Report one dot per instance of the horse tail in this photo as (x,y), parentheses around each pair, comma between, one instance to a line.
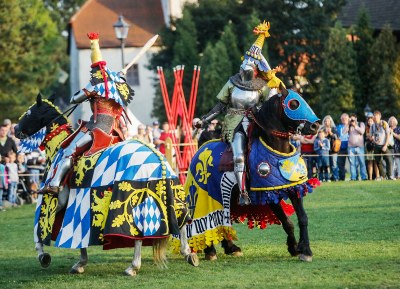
(160,252)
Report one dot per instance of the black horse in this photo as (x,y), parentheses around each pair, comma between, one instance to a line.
(276,173)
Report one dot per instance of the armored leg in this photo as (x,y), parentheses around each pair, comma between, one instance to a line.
(238,150)
(65,164)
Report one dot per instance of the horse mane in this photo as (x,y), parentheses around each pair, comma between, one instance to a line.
(47,102)
(268,108)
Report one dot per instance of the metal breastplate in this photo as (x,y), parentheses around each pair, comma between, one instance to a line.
(244,99)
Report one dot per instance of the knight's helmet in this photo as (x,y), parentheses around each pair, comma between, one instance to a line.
(103,81)
(254,57)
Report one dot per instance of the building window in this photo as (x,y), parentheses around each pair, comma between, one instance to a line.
(132,75)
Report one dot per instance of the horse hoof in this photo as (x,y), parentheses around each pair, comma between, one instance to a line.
(210,257)
(130,272)
(305,258)
(192,259)
(45,260)
(237,254)
(77,270)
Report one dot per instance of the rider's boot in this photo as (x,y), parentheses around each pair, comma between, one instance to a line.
(244,195)
(238,150)
(54,186)
(77,146)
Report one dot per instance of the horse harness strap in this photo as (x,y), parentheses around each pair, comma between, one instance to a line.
(52,134)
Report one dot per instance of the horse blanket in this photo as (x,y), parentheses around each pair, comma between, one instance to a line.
(125,192)
(209,200)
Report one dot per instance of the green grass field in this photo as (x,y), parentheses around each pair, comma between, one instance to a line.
(354,230)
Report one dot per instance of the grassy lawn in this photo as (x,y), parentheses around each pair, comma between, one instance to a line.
(354,230)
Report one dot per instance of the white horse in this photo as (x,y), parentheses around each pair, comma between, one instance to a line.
(108,196)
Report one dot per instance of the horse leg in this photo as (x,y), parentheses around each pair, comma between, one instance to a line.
(43,257)
(304,243)
(288,226)
(231,249)
(190,257)
(79,267)
(137,260)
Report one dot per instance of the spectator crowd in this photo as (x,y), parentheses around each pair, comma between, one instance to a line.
(371,149)
(19,172)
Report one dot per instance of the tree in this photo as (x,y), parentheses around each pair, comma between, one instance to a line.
(30,54)
(299,30)
(61,11)
(385,54)
(363,41)
(216,69)
(229,41)
(338,73)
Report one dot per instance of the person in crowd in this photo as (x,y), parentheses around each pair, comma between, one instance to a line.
(380,133)
(343,134)
(6,142)
(141,133)
(165,133)
(3,183)
(212,132)
(322,147)
(21,163)
(149,135)
(12,135)
(356,150)
(12,173)
(328,125)
(372,168)
(35,161)
(7,123)
(308,153)
(156,131)
(295,141)
(196,132)
(395,131)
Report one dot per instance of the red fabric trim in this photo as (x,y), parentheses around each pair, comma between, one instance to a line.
(102,63)
(114,241)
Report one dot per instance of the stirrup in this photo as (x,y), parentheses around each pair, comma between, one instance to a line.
(244,199)
(51,190)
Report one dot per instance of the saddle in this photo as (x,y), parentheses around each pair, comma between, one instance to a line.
(226,162)
(101,139)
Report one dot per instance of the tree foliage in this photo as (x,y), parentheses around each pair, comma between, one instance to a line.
(30,45)
(216,69)
(363,41)
(383,69)
(338,74)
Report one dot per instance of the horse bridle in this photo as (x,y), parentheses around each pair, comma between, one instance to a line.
(278,133)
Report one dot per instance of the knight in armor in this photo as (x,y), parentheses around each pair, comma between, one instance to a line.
(240,97)
(108,94)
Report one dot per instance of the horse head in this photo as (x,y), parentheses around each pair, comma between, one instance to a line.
(285,114)
(43,113)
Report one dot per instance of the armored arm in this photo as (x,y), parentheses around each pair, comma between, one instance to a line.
(79,96)
(214,112)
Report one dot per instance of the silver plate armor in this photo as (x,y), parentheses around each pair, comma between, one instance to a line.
(244,99)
